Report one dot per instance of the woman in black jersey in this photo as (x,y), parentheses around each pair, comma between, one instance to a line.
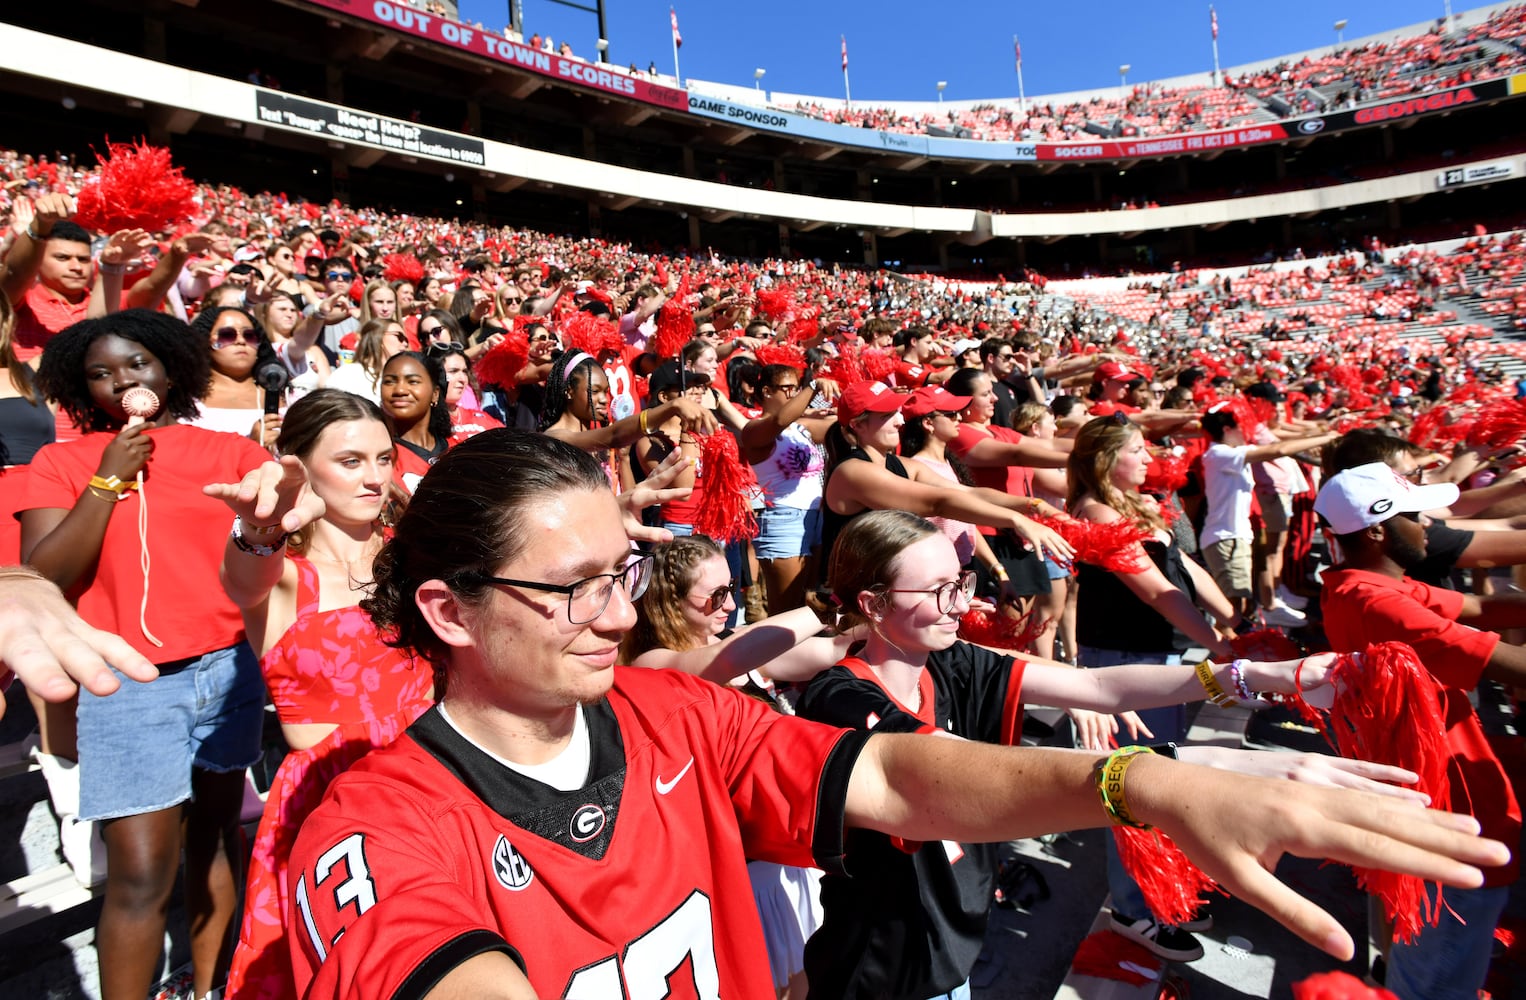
(909,924)
(864,473)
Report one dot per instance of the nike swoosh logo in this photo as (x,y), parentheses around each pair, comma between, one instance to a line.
(664,787)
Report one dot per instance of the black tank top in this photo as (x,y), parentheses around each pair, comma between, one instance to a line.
(832,522)
(24,427)
(1111,616)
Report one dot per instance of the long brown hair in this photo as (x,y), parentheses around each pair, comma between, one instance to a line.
(659,616)
(21,378)
(1090,470)
(304,423)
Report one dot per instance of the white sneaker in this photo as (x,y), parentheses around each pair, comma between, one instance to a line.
(1292,600)
(78,840)
(1279,615)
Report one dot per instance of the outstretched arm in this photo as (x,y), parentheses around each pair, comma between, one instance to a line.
(1235,827)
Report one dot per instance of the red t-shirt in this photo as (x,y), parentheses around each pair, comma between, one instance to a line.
(1106,408)
(187,530)
(429,852)
(910,376)
(1363,608)
(1013,480)
(468,422)
(42,313)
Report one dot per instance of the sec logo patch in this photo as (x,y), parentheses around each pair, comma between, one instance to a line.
(510,867)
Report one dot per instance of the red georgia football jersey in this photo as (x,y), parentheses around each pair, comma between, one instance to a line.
(430,852)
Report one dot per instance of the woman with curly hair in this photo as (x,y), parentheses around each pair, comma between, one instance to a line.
(234,401)
(119,517)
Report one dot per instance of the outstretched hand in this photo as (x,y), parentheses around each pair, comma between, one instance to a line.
(46,644)
(274,492)
(1237,829)
(654,489)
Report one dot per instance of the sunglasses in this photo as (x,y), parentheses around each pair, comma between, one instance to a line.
(438,349)
(339,276)
(227,336)
(431,331)
(717,598)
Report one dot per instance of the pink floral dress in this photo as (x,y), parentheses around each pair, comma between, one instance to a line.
(329,667)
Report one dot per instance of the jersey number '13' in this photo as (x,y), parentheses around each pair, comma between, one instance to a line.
(650,960)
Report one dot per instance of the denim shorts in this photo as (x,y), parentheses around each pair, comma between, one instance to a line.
(137,747)
(1055,570)
(787,532)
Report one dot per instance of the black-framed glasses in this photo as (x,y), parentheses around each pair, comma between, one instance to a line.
(227,336)
(788,390)
(426,334)
(339,276)
(946,594)
(716,599)
(586,598)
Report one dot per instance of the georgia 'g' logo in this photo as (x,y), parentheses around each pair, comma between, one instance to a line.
(513,871)
(1309,126)
(1380,506)
(586,823)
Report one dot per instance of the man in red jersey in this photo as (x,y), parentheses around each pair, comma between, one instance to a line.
(560,826)
(1376,516)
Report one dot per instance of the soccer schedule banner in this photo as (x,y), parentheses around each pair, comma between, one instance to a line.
(489,45)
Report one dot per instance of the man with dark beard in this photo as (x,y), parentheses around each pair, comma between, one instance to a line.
(1376,515)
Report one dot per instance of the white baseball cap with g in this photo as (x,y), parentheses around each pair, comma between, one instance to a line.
(1371,494)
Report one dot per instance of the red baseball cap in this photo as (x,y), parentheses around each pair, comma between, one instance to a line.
(934,399)
(867,397)
(1112,371)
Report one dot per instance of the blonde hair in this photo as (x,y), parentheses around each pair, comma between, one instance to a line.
(365,301)
(659,614)
(14,366)
(1090,470)
(1028,416)
(865,557)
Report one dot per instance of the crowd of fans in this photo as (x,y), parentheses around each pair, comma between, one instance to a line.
(1344,78)
(883,502)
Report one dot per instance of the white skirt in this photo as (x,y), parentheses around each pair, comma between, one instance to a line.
(789,905)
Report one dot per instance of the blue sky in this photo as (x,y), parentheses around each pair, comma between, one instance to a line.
(900,50)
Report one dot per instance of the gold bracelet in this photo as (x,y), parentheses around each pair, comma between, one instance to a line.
(112,484)
(642,421)
(1216,693)
(101,493)
(1110,785)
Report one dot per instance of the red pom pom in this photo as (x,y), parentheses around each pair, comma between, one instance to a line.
(999,631)
(136,187)
(1337,985)
(312,210)
(878,364)
(845,369)
(675,324)
(776,303)
(1166,473)
(1171,884)
(583,331)
(781,354)
(1388,709)
(1114,546)
(726,515)
(402,267)
(1265,644)
(502,364)
(1499,425)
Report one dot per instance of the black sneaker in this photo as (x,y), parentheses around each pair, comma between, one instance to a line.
(1200,923)
(1171,943)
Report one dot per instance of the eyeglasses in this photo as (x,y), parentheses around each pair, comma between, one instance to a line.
(426,334)
(1121,418)
(434,350)
(788,390)
(947,594)
(227,336)
(586,598)
(339,276)
(1008,356)
(717,598)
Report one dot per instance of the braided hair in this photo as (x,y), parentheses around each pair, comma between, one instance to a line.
(561,384)
(659,621)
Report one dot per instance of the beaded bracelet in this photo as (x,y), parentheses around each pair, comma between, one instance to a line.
(1110,786)
(276,544)
(1216,693)
(1237,679)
